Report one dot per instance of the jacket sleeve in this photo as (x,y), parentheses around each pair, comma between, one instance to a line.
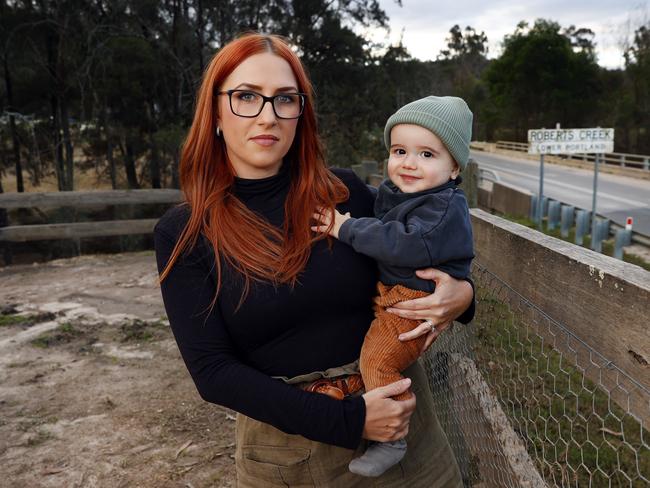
(450,241)
(221,377)
(393,243)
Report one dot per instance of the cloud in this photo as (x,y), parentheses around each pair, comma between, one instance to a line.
(426,24)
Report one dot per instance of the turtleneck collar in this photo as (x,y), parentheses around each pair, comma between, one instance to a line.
(246,188)
(265,196)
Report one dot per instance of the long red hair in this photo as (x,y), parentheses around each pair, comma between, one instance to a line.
(207,178)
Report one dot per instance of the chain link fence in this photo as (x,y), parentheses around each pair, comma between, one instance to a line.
(524,402)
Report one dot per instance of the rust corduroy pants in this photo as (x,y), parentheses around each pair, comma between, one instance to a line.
(383,355)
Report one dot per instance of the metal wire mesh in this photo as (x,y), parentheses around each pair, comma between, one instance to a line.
(524,402)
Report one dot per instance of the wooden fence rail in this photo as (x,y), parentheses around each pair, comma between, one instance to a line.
(74,230)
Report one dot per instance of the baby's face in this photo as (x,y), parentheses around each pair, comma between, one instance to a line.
(418,159)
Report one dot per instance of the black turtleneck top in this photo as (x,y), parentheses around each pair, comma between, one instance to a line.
(233,355)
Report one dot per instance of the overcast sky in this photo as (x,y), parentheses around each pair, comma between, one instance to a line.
(426,23)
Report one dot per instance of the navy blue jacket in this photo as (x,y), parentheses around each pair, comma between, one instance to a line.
(411,231)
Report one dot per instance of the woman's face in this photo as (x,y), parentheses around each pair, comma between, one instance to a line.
(256,145)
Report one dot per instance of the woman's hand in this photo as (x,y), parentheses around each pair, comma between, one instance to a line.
(450,299)
(387,419)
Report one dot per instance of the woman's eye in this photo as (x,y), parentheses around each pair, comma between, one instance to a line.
(247,96)
(427,154)
(286,99)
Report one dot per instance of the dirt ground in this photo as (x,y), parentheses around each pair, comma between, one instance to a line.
(93,391)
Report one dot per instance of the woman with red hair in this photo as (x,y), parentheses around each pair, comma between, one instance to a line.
(269,316)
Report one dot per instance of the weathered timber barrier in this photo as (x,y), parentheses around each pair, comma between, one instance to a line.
(23,233)
(549,385)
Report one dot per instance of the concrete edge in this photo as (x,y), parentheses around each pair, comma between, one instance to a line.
(521,464)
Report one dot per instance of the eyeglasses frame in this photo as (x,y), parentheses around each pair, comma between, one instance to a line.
(265,99)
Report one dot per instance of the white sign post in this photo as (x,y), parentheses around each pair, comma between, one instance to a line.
(569,141)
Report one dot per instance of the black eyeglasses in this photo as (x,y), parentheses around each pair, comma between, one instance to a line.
(247,103)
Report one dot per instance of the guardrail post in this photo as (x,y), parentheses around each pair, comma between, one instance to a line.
(623,238)
(646,164)
(554,209)
(622,158)
(582,226)
(533,208)
(599,233)
(566,221)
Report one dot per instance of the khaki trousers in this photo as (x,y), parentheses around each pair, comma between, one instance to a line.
(267,457)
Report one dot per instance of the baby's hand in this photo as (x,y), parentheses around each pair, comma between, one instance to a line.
(325,217)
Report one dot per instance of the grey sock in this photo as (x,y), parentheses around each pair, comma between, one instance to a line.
(379,457)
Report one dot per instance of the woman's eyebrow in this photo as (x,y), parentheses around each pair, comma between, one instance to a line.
(259,88)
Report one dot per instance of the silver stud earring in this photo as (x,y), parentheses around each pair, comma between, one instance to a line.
(218,131)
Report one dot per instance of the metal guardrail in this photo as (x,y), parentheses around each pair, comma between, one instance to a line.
(636,237)
(488,175)
(623,160)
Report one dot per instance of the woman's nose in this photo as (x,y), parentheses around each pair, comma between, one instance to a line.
(267,115)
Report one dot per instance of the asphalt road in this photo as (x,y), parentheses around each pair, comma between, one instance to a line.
(617,198)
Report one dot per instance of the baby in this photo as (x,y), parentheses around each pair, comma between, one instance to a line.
(421,220)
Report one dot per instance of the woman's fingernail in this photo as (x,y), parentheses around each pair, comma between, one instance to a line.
(401,337)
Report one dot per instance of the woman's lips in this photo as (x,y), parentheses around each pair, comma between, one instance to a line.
(265,140)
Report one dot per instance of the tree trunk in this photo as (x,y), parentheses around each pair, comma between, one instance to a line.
(58,147)
(12,127)
(199,33)
(51,44)
(154,162)
(69,158)
(129,164)
(109,144)
(175,179)
(111,162)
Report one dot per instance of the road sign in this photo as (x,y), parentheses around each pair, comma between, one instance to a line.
(570,141)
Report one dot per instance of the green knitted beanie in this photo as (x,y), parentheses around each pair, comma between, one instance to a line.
(447,117)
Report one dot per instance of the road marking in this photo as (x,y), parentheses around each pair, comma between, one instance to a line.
(564,185)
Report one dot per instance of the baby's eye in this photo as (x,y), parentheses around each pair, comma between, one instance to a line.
(399,151)
(426,154)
